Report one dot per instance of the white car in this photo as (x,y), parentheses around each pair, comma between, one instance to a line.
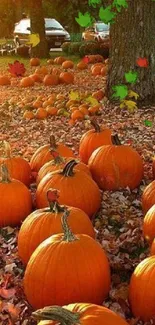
(56,34)
(98,32)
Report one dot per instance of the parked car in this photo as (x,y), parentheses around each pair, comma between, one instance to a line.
(98,32)
(56,34)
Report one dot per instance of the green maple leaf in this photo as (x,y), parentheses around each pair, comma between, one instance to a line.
(146,122)
(121,91)
(93,3)
(118,4)
(84,20)
(131,77)
(106,15)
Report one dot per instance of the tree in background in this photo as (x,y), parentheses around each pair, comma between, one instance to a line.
(38,27)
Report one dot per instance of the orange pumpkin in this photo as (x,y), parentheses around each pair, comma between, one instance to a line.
(51,111)
(82,65)
(36,77)
(28,115)
(44,153)
(50,80)
(50,61)
(79,313)
(58,163)
(59,60)
(41,113)
(77,115)
(142,285)
(92,140)
(78,258)
(17,167)
(99,94)
(34,62)
(15,203)
(27,82)
(4,80)
(149,224)
(148,197)
(44,223)
(68,181)
(116,166)
(68,64)
(67,77)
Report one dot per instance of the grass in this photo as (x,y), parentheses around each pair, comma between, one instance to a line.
(4,60)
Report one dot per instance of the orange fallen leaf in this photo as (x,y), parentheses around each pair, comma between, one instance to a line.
(7,293)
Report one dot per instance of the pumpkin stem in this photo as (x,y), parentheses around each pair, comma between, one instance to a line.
(57,158)
(68,169)
(5,174)
(53,144)
(115,140)
(58,314)
(52,197)
(96,126)
(68,235)
(7,149)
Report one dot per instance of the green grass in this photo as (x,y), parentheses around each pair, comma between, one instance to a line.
(4,60)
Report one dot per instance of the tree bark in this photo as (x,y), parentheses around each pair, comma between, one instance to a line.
(133,36)
(38,27)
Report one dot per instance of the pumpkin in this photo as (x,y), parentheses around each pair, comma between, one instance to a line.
(15,203)
(82,65)
(17,167)
(41,113)
(59,60)
(68,64)
(44,223)
(152,250)
(34,62)
(27,82)
(99,94)
(153,168)
(51,111)
(142,286)
(50,61)
(77,115)
(93,139)
(66,77)
(28,115)
(149,224)
(44,153)
(116,166)
(148,197)
(67,267)
(68,181)
(79,313)
(50,80)
(4,80)
(58,163)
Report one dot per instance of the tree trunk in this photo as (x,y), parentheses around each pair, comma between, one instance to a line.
(132,36)
(18,10)
(38,27)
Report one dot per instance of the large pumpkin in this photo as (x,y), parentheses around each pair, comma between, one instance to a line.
(116,166)
(79,313)
(76,188)
(44,223)
(15,200)
(92,140)
(149,224)
(142,290)
(148,197)
(18,167)
(58,163)
(67,268)
(44,153)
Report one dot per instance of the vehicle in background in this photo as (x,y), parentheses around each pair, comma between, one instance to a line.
(56,34)
(98,32)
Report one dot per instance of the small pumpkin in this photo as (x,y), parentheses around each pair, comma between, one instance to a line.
(77,115)
(44,153)
(82,65)
(51,111)
(142,285)
(28,115)
(68,64)
(68,181)
(116,166)
(79,313)
(44,223)
(148,197)
(78,258)
(51,80)
(41,113)
(58,163)
(27,82)
(66,77)
(16,201)
(149,224)
(92,140)
(4,80)
(99,94)
(59,60)
(34,62)
(18,167)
